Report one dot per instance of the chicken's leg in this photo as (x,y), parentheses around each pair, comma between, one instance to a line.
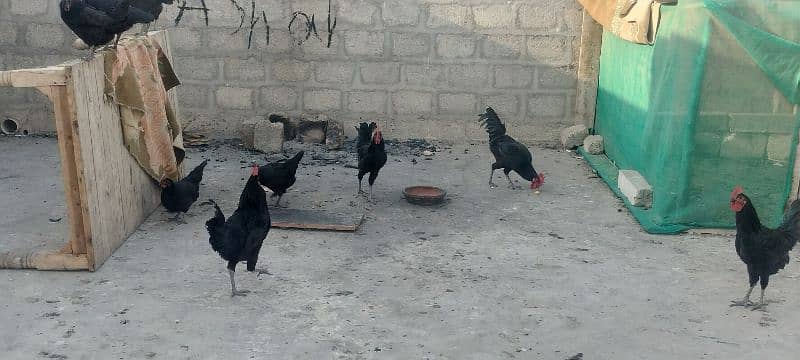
(278,203)
(746,300)
(510,183)
(370,192)
(234,292)
(491,175)
(761,304)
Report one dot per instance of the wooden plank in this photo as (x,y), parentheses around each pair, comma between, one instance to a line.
(315,219)
(26,78)
(69,172)
(43,261)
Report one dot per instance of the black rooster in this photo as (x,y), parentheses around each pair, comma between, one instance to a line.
(765,251)
(371,153)
(279,176)
(97,22)
(153,7)
(239,238)
(178,197)
(509,154)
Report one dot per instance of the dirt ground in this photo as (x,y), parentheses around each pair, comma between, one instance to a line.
(492,274)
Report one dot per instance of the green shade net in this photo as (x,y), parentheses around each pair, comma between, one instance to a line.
(712,105)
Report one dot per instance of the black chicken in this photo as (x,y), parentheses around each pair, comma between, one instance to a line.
(178,197)
(97,22)
(371,153)
(279,176)
(765,251)
(508,153)
(240,237)
(153,7)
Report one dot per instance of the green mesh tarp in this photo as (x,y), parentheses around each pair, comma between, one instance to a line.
(711,105)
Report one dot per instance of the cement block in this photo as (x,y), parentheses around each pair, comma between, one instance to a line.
(322,100)
(512,76)
(458,104)
(550,50)
(334,72)
(494,16)
(593,144)
(312,129)
(503,46)
(268,137)
(8,33)
(363,43)
(744,146)
(291,70)
(400,12)
(334,135)
(367,102)
(380,73)
(573,136)
(412,102)
(635,188)
(279,98)
(195,96)
(455,46)
(48,36)
(410,44)
(235,98)
(548,105)
(30,7)
(779,147)
(225,40)
(560,77)
(290,124)
(504,105)
(195,68)
(357,12)
(450,15)
(466,76)
(537,16)
(185,40)
(249,69)
(424,75)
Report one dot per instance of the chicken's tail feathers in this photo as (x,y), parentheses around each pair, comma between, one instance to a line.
(196,175)
(297,157)
(216,228)
(364,134)
(791,224)
(494,126)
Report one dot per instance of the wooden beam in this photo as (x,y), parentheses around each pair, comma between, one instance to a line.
(69,171)
(43,260)
(27,78)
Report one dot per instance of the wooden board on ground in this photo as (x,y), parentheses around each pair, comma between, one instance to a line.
(316,219)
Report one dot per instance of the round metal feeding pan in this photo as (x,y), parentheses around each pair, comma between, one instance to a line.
(424,195)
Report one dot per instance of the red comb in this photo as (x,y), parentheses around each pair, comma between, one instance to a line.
(255,170)
(737,191)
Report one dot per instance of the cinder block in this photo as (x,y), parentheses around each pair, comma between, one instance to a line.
(455,46)
(707,144)
(400,12)
(457,104)
(512,76)
(367,102)
(320,49)
(635,188)
(334,72)
(593,144)
(322,100)
(364,43)
(762,123)
(195,68)
(334,135)
(268,137)
(235,98)
(561,77)
(547,105)
(48,36)
(494,16)
(30,7)
(410,44)
(250,69)
(8,33)
(280,42)
(226,40)
(279,98)
(550,50)
(380,73)
(744,146)
(449,15)
(503,46)
(291,70)
(424,75)
(472,75)
(573,136)
(358,12)
(504,105)
(412,102)
(194,96)
(185,40)
(779,147)
(538,16)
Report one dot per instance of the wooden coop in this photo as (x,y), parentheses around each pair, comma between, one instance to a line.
(108,195)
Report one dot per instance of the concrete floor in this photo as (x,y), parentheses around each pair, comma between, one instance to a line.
(493,274)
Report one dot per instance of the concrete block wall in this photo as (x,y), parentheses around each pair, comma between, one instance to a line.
(423,68)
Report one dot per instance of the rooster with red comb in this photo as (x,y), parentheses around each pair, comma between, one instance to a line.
(508,153)
(765,251)
(371,153)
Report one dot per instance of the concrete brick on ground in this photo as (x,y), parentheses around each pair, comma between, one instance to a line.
(635,188)
(278,98)
(455,46)
(412,102)
(235,98)
(291,70)
(268,137)
(380,73)
(322,100)
(367,101)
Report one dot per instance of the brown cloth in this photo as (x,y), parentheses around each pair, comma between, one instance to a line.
(138,76)
(632,20)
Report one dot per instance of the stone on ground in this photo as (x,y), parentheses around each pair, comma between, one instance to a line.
(268,137)
(593,144)
(573,136)
(635,188)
